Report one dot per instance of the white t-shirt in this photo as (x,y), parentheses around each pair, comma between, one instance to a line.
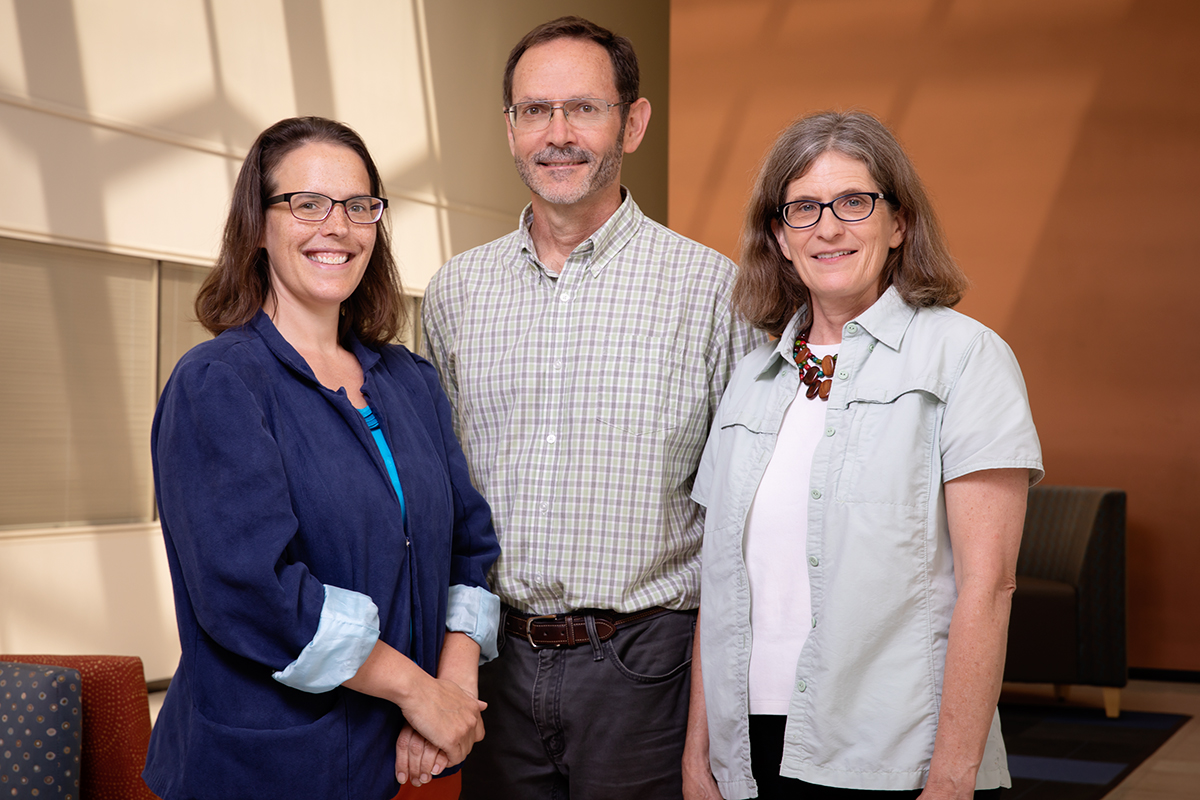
(775,547)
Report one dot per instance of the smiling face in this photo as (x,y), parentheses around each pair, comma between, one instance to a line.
(564,164)
(840,262)
(316,265)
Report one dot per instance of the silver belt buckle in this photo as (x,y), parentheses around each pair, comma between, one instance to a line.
(529,628)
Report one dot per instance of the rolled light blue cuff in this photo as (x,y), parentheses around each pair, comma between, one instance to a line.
(346,634)
(475,611)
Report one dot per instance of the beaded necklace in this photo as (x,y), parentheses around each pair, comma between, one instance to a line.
(817,373)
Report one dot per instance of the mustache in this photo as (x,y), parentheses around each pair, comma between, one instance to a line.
(552,153)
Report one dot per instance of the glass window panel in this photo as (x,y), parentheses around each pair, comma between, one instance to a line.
(77,332)
(178,329)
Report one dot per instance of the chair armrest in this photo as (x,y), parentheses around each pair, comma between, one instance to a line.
(1102,598)
(116,726)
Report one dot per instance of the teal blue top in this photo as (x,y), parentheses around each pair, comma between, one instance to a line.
(388,460)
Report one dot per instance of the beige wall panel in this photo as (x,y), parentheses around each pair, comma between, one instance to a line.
(378,80)
(23,203)
(140,61)
(164,200)
(211,71)
(417,236)
(109,189)
(12,69)
(253,70)
(89,591)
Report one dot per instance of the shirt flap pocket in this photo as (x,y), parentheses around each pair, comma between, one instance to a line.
(754,420)
(867,393)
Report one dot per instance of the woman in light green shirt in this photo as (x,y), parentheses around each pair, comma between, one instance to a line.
(865,482)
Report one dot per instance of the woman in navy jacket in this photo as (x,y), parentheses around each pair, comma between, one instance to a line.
(321,528)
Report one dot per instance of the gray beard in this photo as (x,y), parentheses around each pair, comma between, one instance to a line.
(601,174)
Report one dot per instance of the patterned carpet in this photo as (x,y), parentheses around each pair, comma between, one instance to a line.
(1058,752)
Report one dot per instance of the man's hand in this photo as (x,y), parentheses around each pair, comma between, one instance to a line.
(698,782)
(417,758)
(947,790)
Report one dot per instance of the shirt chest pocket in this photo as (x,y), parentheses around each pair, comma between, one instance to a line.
(636,386)
(892,453)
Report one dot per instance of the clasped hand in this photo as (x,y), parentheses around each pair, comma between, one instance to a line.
(444,722)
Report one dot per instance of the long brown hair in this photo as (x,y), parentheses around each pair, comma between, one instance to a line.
(768,291)
(239,284)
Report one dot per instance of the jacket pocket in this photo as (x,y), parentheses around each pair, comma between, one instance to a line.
(309,760)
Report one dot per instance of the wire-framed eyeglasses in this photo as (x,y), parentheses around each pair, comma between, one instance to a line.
(315,207)
(582,112)
(854,207)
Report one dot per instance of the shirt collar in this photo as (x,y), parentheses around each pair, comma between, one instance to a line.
(284,351)
(599,248)
(887,319)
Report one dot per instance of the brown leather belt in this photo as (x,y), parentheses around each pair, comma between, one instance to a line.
(569,630)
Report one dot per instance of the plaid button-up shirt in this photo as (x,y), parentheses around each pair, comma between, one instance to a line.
(583,401)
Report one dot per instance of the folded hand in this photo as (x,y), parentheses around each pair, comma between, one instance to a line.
(446,718)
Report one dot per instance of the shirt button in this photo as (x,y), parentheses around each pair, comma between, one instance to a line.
(814,560)
(551,439)
(814,621)
(544,508)
(829,431)
(872,347)
(843,374)
(801,685)
(852,328)
(557,364)
(537,578)
(816,494)
(565,297)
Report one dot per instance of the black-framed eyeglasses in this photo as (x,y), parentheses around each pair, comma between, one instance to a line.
(582,112)
(854,207)
(315,207)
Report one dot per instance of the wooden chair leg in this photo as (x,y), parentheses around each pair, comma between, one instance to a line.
(1062,692)
(1112,701)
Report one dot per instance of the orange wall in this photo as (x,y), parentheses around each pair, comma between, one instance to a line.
(1061,142)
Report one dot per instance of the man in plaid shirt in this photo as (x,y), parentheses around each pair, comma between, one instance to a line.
(584,355)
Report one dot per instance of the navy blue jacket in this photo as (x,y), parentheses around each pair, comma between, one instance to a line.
(270,486)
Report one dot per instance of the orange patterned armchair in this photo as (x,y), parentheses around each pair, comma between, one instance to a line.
(116,723)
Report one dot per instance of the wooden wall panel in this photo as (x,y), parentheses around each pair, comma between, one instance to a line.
(1061,143)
